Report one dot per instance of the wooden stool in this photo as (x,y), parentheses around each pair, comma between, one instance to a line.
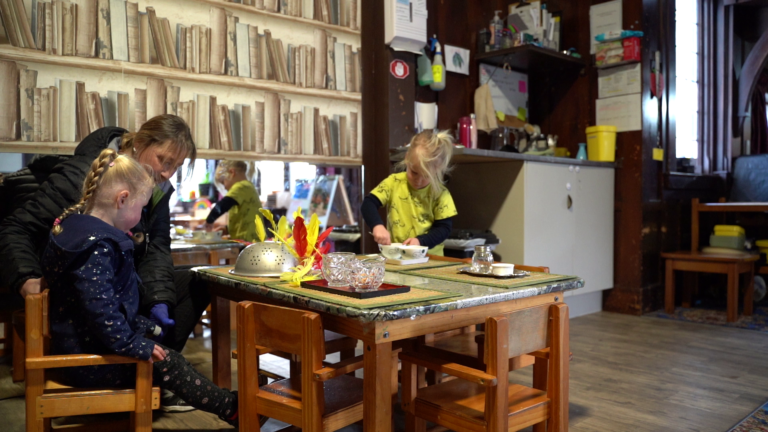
(732,266)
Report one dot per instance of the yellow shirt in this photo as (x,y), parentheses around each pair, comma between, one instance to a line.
(411,212)
(242,217)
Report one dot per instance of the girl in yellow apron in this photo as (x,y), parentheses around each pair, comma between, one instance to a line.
(242,201)
(419,207)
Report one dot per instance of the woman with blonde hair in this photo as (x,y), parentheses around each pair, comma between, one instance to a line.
(419,207)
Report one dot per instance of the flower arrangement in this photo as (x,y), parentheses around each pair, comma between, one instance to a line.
(304,242)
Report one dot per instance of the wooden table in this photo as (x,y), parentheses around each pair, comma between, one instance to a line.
(376,328)
(189,253)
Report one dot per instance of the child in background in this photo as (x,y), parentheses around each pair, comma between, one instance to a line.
(242,201)
(419,207)
(94,292)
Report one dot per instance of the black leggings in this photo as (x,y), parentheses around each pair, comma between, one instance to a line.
(192,298)
(174,374)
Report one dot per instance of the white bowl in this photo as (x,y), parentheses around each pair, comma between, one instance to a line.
(393,251)
(503,269)
(414,252)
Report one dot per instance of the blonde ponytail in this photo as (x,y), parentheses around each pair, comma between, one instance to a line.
(430,153)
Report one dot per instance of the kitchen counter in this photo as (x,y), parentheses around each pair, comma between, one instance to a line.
(462,155)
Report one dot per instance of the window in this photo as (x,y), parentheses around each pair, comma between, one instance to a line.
(687,79)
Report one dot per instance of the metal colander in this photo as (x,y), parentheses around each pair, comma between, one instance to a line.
(265,259)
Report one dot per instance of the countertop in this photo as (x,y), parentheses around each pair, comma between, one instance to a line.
(462,155)
(183,246)
(471,295)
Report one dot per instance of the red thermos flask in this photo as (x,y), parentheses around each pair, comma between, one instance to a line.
(465,131)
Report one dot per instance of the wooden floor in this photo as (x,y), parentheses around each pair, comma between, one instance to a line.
(628,374)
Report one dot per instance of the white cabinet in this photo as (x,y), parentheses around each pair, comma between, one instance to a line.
(566,222)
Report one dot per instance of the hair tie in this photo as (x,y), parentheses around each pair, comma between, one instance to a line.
(56,222)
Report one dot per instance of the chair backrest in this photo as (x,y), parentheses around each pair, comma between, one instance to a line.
(283,329)
(37,329)
(278,328)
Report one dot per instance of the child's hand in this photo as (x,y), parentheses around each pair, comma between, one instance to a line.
(158,354)
(208,227)
(31,286)
(412,242)
(381,235)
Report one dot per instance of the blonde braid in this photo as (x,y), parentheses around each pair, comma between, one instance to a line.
(91,184)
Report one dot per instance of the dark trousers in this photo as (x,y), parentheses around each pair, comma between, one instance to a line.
(174,374)
(192,298)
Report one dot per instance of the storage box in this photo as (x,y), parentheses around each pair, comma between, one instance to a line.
(730,242)
(729,230)
(618,51)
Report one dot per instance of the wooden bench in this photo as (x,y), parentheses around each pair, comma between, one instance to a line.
(731,265)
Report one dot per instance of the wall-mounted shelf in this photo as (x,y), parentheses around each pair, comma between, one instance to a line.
(68,148)
(8,52)
(304,21)
(531,59)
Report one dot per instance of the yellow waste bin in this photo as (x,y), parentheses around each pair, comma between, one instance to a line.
(601,143)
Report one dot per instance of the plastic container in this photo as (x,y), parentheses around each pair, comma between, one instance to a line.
(601,143)
(762,244)
(730,231)
(730,242)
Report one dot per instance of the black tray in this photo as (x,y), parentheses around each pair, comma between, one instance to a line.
(384,290)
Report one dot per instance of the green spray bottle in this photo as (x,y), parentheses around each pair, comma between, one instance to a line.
(424,69)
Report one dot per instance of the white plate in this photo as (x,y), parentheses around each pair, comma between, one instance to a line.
(408,261)
(516,275)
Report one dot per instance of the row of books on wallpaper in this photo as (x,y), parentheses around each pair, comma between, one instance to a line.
(115,29)
(67,112)
(336,12)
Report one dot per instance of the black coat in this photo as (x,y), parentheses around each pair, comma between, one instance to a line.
(24,233)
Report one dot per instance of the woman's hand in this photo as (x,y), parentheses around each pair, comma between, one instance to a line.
(158,354)
(412,242)
(31,286)
(381,235)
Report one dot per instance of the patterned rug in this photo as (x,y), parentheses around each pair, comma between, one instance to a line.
(755,422)
(758,321)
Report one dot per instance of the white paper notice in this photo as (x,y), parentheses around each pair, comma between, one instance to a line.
(624,112)
(619,81)
(405,24)
(509,90)
(603,17)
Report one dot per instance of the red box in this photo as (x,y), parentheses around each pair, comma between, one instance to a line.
(631,49)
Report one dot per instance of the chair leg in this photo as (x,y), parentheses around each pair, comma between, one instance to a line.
(410,373)
(141,418)
(669,297)
(294,366)
(34,389)
(540,367)
(348,354)
(750,290)
(395,370)
(733,294)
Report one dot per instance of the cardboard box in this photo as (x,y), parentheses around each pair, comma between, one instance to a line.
(618,51)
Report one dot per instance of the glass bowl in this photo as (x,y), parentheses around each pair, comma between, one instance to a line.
(367,274)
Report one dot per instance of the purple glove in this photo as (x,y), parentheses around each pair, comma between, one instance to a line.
(159,315)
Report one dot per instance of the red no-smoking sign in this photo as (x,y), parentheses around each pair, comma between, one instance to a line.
(399,69)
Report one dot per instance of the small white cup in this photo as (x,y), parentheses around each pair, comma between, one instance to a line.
(393,251)
(414,252)
(503,269)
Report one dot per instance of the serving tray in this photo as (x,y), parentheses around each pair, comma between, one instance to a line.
(516,275)
(384,290)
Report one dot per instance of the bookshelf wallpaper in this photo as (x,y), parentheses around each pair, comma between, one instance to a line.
(194,12)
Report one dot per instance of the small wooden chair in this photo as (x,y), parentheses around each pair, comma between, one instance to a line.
(322,398)
(47,399)
(484,400)
(465,345)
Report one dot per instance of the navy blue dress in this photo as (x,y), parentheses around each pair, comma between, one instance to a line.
(94,298)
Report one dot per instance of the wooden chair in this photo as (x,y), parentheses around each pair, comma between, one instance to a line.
(321,398)
(484,400)
(465,345)
(47,399)
(695,261)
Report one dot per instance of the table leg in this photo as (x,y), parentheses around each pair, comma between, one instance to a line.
(750,290)
(669,298)
(377,402)
(221,341)
(733,294)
